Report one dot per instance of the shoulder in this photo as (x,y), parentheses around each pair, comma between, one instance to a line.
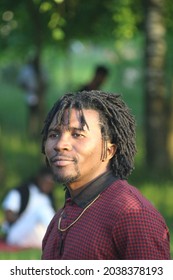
(132,209)
(125,197)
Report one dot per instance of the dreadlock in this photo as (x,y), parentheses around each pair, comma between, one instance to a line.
(117,124)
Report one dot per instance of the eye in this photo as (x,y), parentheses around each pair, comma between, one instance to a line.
(78,135)
(53,135)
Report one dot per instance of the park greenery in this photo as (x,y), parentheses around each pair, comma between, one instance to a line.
(71,37)
(35,27)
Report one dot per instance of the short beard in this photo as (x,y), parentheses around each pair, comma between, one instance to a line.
(65,180)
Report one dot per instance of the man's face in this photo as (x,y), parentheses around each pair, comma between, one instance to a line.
(73,152)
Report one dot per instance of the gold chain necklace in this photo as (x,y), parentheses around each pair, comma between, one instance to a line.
(59,221)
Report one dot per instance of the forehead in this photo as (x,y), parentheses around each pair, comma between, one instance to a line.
(77,118)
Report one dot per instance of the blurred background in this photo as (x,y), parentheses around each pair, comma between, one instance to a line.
(55,46)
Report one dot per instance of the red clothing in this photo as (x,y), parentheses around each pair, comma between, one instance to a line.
(120,224)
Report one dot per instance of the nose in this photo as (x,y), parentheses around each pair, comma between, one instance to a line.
(63,142)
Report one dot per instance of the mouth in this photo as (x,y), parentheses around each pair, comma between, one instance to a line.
(61,161)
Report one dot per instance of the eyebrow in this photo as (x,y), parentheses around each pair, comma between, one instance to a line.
(70,128)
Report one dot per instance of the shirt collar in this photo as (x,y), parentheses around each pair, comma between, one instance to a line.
(93,189)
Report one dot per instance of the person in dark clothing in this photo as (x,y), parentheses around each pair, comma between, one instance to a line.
(89,142)
(100,75)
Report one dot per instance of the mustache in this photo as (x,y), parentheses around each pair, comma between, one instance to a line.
(61,156)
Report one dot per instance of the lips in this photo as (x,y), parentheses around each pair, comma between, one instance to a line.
(61,161)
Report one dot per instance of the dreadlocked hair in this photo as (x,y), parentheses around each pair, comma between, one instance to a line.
(117,124)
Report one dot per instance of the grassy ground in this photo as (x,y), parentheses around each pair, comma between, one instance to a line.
(30,254)
(20,156)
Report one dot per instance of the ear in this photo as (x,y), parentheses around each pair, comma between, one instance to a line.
(111,150)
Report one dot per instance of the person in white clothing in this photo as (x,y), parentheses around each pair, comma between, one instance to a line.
(28,210)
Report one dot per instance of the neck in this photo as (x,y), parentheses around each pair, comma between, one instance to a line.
(76,191)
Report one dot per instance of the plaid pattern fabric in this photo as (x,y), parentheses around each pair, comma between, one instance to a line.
(120,224)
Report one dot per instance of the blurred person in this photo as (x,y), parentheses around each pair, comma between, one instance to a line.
(89,142)
(28,209)
(100,75)
(33,82)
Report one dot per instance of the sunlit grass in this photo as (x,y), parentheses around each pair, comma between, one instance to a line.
(30,254)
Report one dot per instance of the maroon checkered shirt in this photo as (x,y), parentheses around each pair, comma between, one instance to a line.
(120,224)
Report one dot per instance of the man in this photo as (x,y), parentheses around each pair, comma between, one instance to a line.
(89,141)
(100,75)
(28,209)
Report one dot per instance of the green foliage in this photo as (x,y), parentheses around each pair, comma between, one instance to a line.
(168,11)
(26,26)
(127,16)
(55,25)
(20,156)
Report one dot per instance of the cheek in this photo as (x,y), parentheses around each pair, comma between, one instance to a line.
(48,149)
(93,151)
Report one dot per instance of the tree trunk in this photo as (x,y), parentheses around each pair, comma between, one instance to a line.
(170,129)
(41,91)
(155,91)
(38,44)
